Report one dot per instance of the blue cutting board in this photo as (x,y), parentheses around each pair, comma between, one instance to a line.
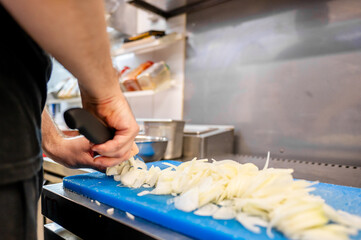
(154,208)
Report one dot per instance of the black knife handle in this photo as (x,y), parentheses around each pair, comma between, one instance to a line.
(88,125)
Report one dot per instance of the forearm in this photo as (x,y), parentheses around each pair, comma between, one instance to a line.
(51,135)
(74,32)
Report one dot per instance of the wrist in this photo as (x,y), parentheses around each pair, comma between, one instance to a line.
(57,150)
(50,144)
(100,89)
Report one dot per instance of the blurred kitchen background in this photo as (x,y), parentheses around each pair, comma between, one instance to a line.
(235,79)
(282,76)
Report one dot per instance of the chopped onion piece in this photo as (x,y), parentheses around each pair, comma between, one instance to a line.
(251,222)
(129,215)
(110,171)
(267,161)
(110,211)
(207,210)
(187,201)
(224,213)
(143,193)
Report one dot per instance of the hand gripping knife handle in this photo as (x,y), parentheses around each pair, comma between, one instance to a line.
(88,125)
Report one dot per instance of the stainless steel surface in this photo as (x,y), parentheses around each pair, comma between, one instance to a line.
(168,5)
(314,171)
(62,206)
(286,74)
(55,231)
(172,130)
(52,178)
(151,148)
(206,141)
(54,172)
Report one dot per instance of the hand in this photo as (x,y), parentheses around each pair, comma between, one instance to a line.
(115,113)
(76,152)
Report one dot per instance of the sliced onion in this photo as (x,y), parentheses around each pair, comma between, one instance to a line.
(226,189)
(224,213)
(187,201)
(207,210)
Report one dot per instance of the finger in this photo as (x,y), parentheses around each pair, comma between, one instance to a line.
(113,145)
(99,167)
(110,161)
(134,150)
(123,153)
(114,148)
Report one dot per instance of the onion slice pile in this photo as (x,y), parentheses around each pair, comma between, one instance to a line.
(256,198)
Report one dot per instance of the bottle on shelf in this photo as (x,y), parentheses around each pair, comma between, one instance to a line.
(121,73)
(129,80)
(154,76)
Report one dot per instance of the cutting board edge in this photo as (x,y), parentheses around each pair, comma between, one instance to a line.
(178,226)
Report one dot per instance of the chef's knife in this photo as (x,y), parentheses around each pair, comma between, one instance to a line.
(88,125)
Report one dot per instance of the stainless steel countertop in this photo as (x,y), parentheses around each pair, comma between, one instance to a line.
(54,172)
(81,215)
(52,166)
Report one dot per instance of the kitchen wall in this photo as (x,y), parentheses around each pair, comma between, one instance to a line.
(285,73)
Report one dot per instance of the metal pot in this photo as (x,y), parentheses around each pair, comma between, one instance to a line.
(151,148)
(170,129)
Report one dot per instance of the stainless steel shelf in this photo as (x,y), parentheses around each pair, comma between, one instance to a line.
(147,45)
(171,8)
